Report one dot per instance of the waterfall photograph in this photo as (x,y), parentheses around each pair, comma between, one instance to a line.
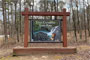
(45,31)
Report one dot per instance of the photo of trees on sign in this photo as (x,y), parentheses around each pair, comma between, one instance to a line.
(45,31)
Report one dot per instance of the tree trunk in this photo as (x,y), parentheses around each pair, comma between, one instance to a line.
(84,21)
(20,19)
(74,22)
(8,21)
(12,22)
(4,20)
(16,24)
(78,23)
(88,24)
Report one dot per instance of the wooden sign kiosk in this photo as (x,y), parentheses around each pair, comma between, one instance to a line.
(27,50)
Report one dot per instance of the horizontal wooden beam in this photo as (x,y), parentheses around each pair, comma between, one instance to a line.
(28,51)
(46,13)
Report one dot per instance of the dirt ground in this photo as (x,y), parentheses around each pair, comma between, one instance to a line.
(83,53)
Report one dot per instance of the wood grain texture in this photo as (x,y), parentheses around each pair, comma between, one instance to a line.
(28,51)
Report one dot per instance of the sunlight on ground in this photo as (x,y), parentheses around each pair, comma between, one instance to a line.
(1,41)
(83,47)
(48,57)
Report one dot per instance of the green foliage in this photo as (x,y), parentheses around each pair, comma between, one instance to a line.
(36,27)
(7,8)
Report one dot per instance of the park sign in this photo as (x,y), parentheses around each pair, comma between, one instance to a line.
(45,31)
(42,28)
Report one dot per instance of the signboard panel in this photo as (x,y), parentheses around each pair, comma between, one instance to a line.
(45,31)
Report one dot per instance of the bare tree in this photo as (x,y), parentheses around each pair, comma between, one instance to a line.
(74,22)
(20,17)
(84,15)
(88,24)
(4,19)
(78,20)
(16,24)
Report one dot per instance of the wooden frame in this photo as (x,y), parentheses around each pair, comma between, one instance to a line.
(46,41)
(26,13)
(28,50)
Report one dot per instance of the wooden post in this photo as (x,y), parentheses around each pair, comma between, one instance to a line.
(26,27)
(64,29)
